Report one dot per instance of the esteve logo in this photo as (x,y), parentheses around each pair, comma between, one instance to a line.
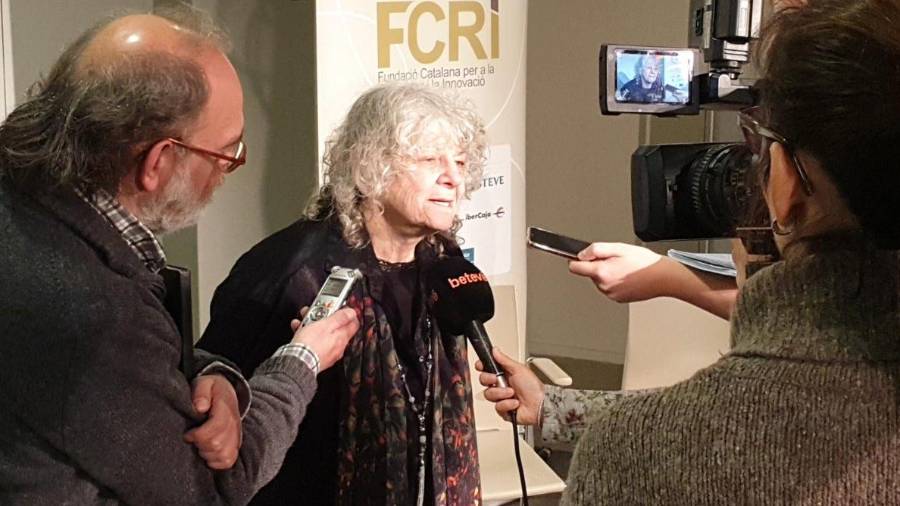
(458,11)
(467,278)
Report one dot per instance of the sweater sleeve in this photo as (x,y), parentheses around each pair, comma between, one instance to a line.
(123,425)
(565,412)
(250,314)
(206,363)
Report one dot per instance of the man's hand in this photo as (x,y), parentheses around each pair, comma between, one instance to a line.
(218,439)
(328,337)
(623,272)
(526,392)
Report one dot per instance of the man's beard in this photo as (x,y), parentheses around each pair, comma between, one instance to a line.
(176,206)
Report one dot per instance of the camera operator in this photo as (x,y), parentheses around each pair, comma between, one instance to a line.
(804,407)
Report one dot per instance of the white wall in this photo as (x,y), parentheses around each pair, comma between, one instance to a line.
(7,84)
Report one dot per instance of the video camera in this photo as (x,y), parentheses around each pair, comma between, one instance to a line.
(688,191)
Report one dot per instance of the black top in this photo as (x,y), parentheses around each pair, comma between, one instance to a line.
(401,297)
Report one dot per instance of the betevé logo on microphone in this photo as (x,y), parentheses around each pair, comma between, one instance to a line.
(467,278)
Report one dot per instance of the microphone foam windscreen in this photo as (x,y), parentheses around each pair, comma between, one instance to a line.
(462,293)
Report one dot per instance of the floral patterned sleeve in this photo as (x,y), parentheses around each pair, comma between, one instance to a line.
(564,414)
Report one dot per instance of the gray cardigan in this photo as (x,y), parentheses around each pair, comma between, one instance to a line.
(93,404)
(803,410)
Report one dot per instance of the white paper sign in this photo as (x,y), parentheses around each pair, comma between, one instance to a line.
(487,217)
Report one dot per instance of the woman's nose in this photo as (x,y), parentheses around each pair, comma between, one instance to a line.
(452,174)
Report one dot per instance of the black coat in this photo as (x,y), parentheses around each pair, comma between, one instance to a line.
(249,318)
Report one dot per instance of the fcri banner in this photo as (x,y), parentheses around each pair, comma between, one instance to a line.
(486,217)
(474,47)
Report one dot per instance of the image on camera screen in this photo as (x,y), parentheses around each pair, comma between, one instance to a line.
(653,77)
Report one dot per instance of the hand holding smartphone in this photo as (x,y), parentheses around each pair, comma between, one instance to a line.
(557,244)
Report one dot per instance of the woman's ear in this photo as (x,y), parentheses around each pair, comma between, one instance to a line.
(785,188)
(156,167)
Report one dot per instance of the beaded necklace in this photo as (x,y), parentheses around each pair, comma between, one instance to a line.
(386,266)
(421,410)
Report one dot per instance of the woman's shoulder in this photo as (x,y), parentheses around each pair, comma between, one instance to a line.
(300,242)
(266,287)
(302,246)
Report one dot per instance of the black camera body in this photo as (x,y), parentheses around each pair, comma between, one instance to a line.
(688,191)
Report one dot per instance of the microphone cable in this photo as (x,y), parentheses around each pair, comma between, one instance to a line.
(512,418)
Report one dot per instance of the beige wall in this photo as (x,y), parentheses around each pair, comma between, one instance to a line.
(42,28)
(578,180)
(274,53)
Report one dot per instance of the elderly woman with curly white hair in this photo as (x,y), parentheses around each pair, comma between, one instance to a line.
(393,423)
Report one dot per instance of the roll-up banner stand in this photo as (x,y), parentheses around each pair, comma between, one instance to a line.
(475,47)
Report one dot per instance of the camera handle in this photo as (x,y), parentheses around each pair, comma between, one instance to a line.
(721,91)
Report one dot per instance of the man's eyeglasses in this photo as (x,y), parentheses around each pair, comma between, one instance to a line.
(239,158)
(756,135)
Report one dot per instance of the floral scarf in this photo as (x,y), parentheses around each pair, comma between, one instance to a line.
(372,459)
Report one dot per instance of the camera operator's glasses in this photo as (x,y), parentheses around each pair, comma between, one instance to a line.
(239,158)
(756,136)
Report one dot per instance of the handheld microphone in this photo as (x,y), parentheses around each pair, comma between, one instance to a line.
(464,301)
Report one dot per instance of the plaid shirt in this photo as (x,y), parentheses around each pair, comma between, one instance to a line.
(145,245)
(139,238)
(301,351)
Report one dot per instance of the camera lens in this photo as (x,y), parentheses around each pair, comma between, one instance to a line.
(717,189)
(694,191)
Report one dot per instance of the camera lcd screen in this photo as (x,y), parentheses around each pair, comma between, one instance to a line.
(652,77)
(649,80)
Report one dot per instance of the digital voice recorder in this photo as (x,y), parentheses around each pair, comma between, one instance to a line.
(333,294)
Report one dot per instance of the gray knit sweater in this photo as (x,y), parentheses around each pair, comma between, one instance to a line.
(803,410)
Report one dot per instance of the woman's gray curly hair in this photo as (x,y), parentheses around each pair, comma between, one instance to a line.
(384,130)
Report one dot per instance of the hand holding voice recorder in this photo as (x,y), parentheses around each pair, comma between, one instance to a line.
(333,294)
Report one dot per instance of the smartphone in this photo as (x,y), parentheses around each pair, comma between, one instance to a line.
(555,243)
(333,294)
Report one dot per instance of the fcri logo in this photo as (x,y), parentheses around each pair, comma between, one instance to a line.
(391,33)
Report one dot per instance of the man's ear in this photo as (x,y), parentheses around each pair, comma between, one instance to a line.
(156,167)
(786,196)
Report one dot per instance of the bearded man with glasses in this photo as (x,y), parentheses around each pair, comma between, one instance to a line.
(135,127)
